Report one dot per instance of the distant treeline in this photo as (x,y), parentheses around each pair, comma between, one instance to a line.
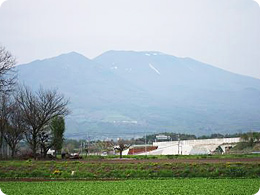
(181,136)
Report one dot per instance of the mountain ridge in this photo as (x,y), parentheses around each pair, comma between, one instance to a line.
(187,58)
(127,92)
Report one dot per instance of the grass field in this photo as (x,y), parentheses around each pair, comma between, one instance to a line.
(169,186)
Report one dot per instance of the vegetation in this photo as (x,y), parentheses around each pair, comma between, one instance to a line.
(7,75)
(57,128)
(14,126)
(171,136)
(52,136)
(26,115)
(182,136)
(38,110)
(129,169)
(171,186)
(251,138)
(121,147)
(7,82)
(250,142)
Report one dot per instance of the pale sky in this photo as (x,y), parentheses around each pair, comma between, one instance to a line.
(258,1)
(224,33)
(1,1)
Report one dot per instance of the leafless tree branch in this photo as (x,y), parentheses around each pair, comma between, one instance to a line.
(7,72)
(38,109)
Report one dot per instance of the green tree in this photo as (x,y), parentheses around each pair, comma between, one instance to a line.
(251,138)
(256,136)
(58,128)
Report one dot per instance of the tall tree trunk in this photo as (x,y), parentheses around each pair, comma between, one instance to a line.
(45,150)
(13,151)
(34,149)
(34,153)
(1,144)
(34,143)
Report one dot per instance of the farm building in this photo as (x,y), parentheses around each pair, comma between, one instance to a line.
(137,149)
(185,147)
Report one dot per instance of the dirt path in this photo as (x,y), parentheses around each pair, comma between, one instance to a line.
(56,179)
(225,160)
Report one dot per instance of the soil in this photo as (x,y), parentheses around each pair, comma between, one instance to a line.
(224,160)
(50,180)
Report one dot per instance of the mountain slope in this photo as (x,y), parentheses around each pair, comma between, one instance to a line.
(125,93)
(78,77)
(149,68)
(185,82)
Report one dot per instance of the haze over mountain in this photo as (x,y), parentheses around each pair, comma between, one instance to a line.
(126,93)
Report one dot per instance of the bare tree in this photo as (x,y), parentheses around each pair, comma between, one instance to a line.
(7,81)
(121,147)
(38,109)
(7,73)
(15,128)
(4,114)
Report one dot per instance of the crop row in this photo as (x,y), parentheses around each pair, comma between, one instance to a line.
(169,186)
(99,170)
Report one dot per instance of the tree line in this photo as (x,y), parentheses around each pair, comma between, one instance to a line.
(182,136)
(37,117)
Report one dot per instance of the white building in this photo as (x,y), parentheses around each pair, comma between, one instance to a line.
(192,147)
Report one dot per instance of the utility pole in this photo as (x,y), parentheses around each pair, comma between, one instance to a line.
(145,143)
(178,144)
(81,147)
(88,143)
(134,145)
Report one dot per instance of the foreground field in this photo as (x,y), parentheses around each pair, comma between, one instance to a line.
(171,186)
(98,169)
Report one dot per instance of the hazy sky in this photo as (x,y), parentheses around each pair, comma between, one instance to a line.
(224,33)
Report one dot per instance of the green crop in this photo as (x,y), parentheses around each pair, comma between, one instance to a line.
(139,187)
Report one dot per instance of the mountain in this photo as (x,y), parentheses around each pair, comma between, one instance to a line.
(77,77)
(158,72)
(126,93)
